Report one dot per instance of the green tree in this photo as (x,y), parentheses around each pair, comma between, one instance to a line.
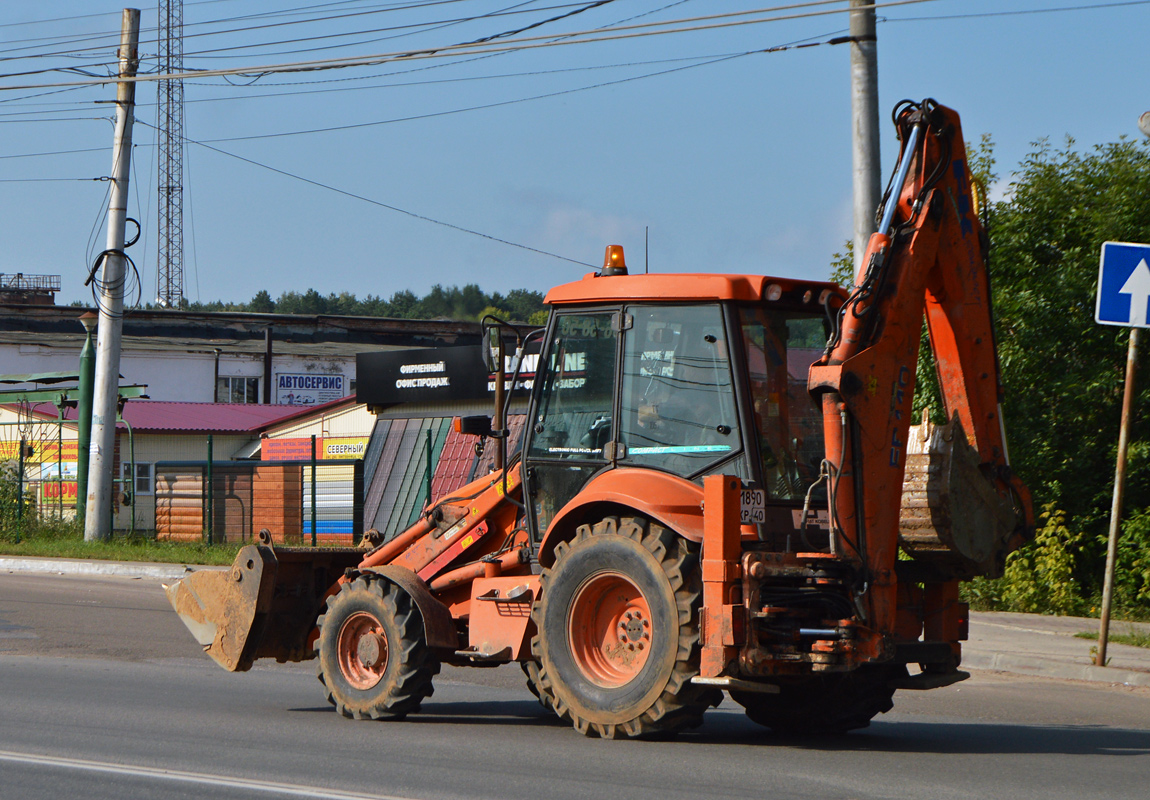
(468,303)
(262,303)
(1063,373)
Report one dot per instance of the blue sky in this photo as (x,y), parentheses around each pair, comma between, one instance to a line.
(742,165)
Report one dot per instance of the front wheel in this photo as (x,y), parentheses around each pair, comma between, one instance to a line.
(618,622)
(373,659)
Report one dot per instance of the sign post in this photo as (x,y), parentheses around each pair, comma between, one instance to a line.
(1123,297)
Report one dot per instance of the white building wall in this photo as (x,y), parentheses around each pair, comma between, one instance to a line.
(185,376)
(355,420)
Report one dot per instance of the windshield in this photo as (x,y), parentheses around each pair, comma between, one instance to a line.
(780,347)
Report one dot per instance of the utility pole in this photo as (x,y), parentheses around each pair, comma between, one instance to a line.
(97,519)
(864,125)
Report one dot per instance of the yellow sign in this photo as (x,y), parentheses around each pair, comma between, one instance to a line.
(41,452)
(347,447)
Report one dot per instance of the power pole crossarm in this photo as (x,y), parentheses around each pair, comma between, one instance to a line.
(98,519)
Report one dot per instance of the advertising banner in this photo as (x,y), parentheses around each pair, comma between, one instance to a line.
(299,448)
(52,490)
(425,375)
(43,451)
(435,374)
(308,389)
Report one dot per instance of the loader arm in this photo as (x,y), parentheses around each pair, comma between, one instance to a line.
(267,604)
(929,257)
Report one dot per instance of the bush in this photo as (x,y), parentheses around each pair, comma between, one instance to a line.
(14,518)
(1039,577)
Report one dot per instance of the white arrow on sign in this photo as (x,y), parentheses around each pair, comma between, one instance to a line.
(1138,287)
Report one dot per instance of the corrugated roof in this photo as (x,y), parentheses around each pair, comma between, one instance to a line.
(455,462)
(159,415)
(393,472)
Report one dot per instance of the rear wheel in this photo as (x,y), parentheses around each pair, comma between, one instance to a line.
(825,704)
(618,622)
(373,660)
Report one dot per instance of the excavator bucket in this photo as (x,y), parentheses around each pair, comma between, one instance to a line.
(952,517)
(222,608)
(265,606)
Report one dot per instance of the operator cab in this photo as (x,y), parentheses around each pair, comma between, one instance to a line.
(686,374)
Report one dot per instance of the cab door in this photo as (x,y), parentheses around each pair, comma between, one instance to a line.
(571,432)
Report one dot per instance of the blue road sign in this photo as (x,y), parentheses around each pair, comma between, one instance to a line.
(1123,285)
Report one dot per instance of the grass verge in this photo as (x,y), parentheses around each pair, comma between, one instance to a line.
(54,539)
(1134,637)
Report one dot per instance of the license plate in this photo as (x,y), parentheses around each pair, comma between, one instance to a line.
(752,506)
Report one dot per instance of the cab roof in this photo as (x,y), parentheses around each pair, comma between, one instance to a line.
(683,287)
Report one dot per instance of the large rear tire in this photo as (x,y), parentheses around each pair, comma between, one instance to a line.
(373,659)
(824,704)
(618,641)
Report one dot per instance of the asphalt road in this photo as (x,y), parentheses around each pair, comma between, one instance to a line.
(105,696)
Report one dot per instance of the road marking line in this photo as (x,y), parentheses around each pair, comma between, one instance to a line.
(180,776)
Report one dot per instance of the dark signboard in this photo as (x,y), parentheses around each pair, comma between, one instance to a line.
(426,375)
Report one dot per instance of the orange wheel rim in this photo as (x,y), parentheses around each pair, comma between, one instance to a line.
(362,650)
(610,629)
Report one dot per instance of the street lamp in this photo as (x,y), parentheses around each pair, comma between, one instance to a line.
(84,411)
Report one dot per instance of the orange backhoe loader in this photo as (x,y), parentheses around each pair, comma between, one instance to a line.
(718,488)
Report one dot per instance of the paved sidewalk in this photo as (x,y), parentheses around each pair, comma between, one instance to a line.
(1023,644)
(1033,644)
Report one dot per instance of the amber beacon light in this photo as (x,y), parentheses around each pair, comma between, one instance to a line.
(613,263)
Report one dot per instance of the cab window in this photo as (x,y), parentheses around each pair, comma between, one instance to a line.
(780,348)
(573,420)
(677,405)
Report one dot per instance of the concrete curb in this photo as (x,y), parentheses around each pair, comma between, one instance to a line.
(77,566)
(1050,668)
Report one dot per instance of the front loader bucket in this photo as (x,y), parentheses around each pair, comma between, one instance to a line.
(265,606)
(225,610)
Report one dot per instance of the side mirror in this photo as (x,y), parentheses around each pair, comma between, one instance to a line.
(479,425)
(490,356)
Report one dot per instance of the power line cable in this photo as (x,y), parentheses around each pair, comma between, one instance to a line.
(50,180)
(409,30)
(54,153)
(388,206)
(1018,13)
(460,228)
(499,103)
(598,35)
(458,62)
(433,81)
(40,94)
(113,36)
(771,9)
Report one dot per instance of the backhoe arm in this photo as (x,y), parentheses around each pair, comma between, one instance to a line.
(928,256)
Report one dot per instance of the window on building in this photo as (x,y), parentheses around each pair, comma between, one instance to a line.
(144,477)
(237,390)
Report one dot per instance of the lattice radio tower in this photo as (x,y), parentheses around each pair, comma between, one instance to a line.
(170,261)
